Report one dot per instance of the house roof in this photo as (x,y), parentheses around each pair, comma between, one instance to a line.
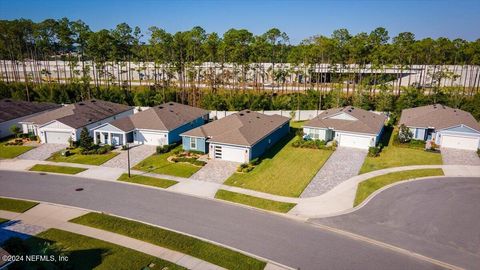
(80,114)
(167,116)
(362,121)
(437,116)
(243,128)
(12,109)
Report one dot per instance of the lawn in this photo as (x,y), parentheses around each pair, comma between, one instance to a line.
(218,255)
(77,157)
(159,164)
(269,205)
(12,151)
(284,170)
(88,253)
(2,220)
(369,186)
(396,156)
(56,169)
(18,206)
(146,180)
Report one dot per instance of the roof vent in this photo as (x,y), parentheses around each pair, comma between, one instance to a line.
(93,101)
(241,114)
(8,100)
(160,107)
(81,103)
(248,111)
(171,104)
(353,108)
(349,110)
(258,117)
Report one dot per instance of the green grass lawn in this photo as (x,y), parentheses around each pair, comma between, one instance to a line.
(88,253)
(146,180)
(56,169)
(18,206)
(369,186)
(12,151)
(396,156)
(284,170)
(77,157)
(220,256)
(2,220)
(269,205)
(159,164)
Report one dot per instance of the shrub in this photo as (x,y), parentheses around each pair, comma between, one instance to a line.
(478,153)
(124,147)
(299,133)
(165,148)
(15,130)
(374,151)
(417,144)
(86,141)
(66,153)
(32,137)
(313,144)
(190,160)
(255,161)
(404,134)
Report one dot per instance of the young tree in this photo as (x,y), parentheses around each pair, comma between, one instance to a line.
(86,142)
(404,134)
(15,130)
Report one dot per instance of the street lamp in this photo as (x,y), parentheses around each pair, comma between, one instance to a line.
(128,159)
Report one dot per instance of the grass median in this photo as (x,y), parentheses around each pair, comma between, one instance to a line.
(212,253)
(257,202)
(84,253)
(367,187)
(12,151)
(77,157)
(56,169)
(13,205)
(146,180)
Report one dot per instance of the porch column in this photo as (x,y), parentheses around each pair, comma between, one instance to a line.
(124,139)
(95,137)
(109,138)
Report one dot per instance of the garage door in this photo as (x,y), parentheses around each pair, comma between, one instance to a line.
(347,140)
(465,143)
(151,138)
(230,153)
(57,137)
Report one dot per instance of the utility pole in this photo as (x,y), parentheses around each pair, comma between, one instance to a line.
(128,159)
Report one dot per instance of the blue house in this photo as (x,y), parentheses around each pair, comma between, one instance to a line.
(159,125)
(239,137)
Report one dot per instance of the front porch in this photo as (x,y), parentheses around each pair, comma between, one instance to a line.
(115,138)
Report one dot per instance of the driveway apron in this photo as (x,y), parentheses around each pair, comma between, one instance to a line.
(451,156)
(343,164)
(216,171)
(137,154)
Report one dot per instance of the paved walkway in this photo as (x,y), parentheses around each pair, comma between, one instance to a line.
(216,171)
(42,152)
(343,164)
(451,156)
(137,154)
(45,216)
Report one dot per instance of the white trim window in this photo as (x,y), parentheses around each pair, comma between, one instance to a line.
(314,134)
(193,143)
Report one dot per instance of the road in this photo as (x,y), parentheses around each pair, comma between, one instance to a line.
(438,218)
(290,242)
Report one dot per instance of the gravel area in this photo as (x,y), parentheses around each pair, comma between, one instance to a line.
(137,154)
(42,152)
(343,164)
(451,156)
(216,171)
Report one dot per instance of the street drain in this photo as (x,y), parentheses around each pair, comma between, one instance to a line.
(78,189)
(42,173)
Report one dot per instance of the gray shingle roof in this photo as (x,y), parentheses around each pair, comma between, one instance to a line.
(80,114)
(367,122)
(437,116)
(12,109)
(167,116)
(243,128)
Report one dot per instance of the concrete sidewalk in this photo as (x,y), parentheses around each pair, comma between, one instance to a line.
(45,216)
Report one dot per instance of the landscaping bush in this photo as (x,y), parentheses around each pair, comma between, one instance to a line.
(165,148)
(32,137)
(299,133)
(86,142)
(97,150)
(245,167)
(313,144)
(66,153)
(417,144)
(374,151)
(478,153)
(255,161)
(404,134)
(190,160)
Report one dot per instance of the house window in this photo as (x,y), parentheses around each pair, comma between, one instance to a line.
(193,143)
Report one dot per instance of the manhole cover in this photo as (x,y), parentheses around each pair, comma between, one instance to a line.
(78,189)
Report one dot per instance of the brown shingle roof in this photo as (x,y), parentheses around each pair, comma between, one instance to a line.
(437,116)
(243,128)
(80,114)
(167,116)
(12,109)
(367,122)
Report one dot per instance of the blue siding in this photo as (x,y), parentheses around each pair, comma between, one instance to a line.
(200,144)
(260,147)
(174,135)
(379,136)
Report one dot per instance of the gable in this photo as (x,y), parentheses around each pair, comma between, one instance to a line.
(461,128)
(55,125)
(110,128)
(342,116)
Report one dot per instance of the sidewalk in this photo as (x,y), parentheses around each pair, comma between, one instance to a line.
(45,216)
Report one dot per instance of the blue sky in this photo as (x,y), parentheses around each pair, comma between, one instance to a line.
(299,19)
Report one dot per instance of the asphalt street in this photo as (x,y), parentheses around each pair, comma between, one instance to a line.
(290,242)
(436,217)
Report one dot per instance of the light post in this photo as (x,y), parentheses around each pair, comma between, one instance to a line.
(128,159)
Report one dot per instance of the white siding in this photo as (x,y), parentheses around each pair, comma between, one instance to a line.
(229,153)
(150,137)
(355,140)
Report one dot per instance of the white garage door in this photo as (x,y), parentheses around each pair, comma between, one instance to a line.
(230,153)
(150,138)
(348,140)
(57,137)
(466,143)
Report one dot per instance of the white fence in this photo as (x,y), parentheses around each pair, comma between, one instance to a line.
(300,115)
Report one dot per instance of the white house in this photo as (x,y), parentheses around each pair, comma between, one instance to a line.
(349,126)
(12,112)
(58,125)
(447,127)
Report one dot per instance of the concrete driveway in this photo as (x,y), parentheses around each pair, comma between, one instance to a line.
(435,217)
(452,156)
(216,171)
(343,164)
(43,151)
(137,154)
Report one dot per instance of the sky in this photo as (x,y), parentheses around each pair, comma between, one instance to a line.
(299,19)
